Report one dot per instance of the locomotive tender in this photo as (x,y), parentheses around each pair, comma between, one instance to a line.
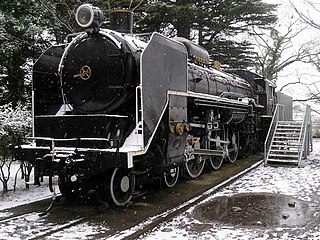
(112,112)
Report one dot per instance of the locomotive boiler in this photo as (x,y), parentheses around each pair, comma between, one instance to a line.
(112,112)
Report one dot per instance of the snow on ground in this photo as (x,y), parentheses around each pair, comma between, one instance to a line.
(302,183)
(82,231)
(22,195)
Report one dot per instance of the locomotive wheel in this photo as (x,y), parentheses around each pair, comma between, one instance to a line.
(233,146)
(171,176)
(216,162)
(194,167)
(119,187)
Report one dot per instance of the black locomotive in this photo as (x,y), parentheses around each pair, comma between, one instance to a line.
(112,112)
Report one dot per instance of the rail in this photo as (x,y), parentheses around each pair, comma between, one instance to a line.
(279,115)
(305,138)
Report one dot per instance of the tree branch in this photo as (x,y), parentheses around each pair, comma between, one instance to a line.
(56,17)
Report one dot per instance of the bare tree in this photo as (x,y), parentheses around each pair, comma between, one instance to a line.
(278,52)
(307,17)
(310,18)
(316,127)
(281,49)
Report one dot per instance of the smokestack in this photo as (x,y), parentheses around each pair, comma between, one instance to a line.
(121,20)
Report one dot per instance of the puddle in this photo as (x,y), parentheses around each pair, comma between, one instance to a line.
(258,209)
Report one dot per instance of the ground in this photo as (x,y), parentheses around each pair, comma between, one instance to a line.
(297,190)
(267,203)
(23,195)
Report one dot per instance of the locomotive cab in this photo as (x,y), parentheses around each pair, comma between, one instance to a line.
(266,93)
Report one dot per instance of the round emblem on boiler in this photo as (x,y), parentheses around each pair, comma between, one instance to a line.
(85,72)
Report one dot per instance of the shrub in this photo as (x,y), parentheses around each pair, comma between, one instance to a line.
(15,123)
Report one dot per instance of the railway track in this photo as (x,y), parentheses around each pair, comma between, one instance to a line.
(23,209)
(132,222)
(148,225)
(27,221)
(29,226)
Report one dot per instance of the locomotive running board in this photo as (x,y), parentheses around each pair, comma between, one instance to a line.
(31,151)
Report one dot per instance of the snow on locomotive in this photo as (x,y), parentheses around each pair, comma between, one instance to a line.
(112,112)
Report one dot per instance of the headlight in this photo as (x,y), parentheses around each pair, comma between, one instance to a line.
(89,16)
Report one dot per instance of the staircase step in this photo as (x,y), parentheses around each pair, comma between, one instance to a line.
(289,124)
(286,137)
(286,133)
(289,129)
(294,122)
(281,136)
(293,130)
(284,148)
(284,151)
(282,155)
(282,161)
(286,142)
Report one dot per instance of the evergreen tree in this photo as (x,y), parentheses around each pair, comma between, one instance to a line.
(17,30)
(27,27)
(229,18)
(212,24)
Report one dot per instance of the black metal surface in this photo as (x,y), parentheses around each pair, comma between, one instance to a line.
(164,67)
(177,108)
(264,89)
(217,83)
(121,21)
(82,126)
(249,76)
(195,52)
(103,87)
(46,83)
(30,155)
(83,162)
(176,149)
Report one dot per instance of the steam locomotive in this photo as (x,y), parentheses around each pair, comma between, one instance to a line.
(112,112)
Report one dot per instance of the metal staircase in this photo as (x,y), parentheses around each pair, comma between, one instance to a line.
(288,141)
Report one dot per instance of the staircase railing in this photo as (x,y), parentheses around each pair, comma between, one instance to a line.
(279,115)
(305,138)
